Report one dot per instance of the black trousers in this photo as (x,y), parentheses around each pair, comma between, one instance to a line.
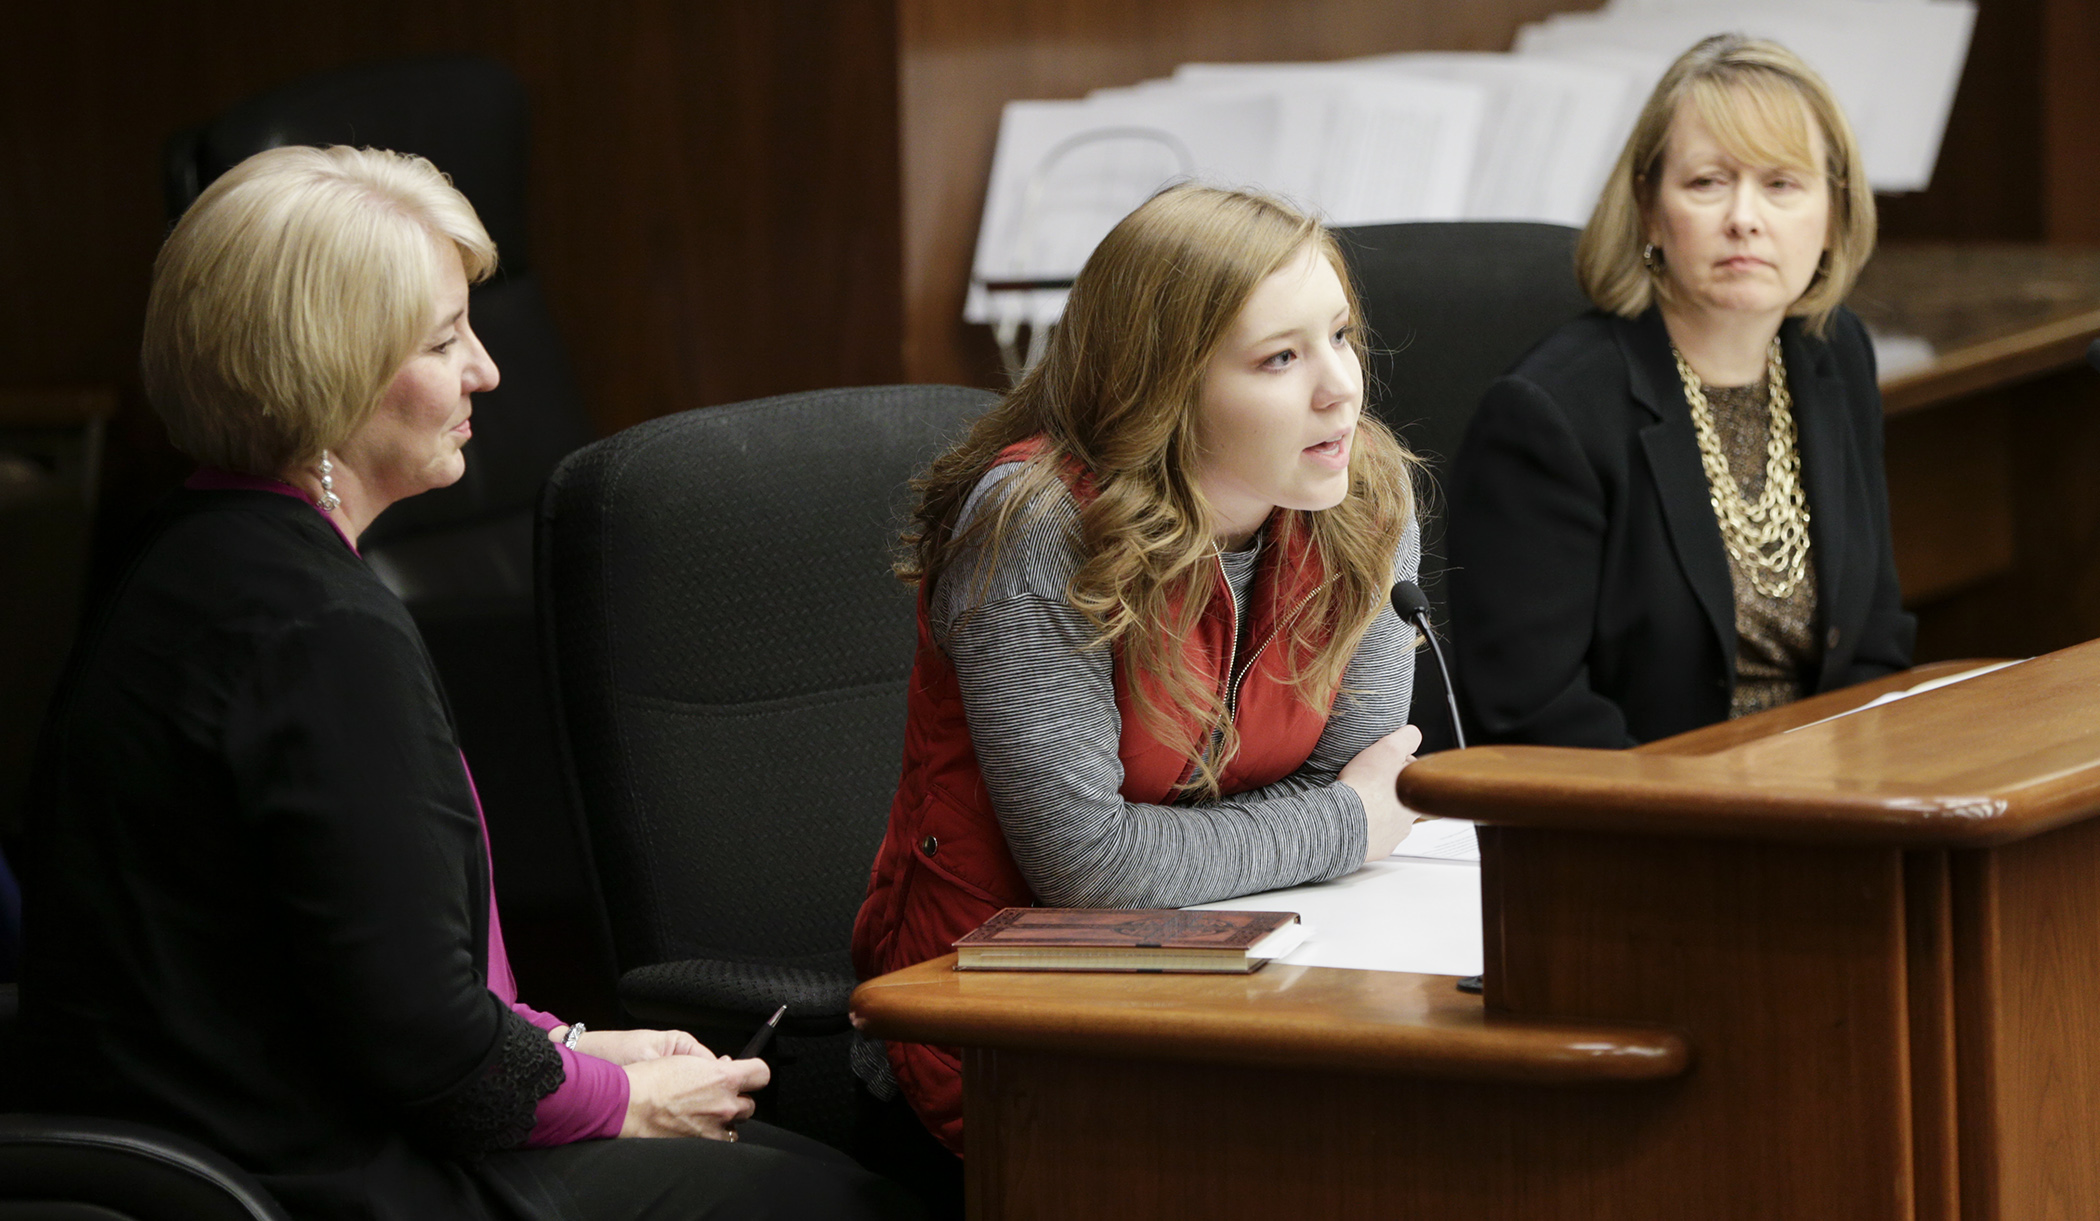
(768,1175)
(889,1138)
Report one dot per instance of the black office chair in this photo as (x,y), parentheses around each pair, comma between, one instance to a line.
(75,1168)
(730,651)
(1451,305)
(461,557)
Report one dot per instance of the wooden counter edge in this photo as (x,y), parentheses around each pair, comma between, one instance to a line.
(1455,1040)
(1529,787)
(1536,786)
(1658,789)
(2032,352)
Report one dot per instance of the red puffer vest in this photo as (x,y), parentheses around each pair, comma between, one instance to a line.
(944,869)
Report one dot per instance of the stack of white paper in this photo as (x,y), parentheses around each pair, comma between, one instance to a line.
(1551,131)
(1391,147)
(1066,172)
(1357,147)
(1893,64)
(1524,136)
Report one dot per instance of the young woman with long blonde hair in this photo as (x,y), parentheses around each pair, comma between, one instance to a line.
(1156,662)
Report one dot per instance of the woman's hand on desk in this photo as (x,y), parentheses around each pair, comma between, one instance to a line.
(634,1046)
(683,1095)
(1373,773)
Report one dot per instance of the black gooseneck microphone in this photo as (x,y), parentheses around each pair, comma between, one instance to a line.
(1410,603)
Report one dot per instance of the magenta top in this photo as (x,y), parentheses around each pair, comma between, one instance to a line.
(592,1100)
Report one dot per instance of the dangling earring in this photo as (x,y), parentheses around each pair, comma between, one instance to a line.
(1651,259)
(329,501)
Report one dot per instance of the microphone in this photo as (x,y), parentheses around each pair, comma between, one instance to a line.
(1410,603)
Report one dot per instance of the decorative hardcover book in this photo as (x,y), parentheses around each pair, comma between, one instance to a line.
(1098,939)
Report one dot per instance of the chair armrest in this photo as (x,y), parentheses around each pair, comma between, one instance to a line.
(140,1171)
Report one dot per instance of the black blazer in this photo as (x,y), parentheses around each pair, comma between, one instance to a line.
(1591,602)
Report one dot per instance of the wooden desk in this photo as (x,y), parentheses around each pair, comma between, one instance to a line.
(1995,313)
(1841,973)
(1991,445)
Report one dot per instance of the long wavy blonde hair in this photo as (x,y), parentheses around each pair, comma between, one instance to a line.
(1116,395)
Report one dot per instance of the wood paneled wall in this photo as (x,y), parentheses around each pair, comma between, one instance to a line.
(736,199)
(2021,161)
(729,199)
(713,187)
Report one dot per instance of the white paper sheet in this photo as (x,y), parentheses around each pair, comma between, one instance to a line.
(1550,134)
(1892,696)
(1433,136)
(1896,354)
(1441,839)
(1065,172)
(1354,147)
(1396,147)
(1893,64)
(1391,915)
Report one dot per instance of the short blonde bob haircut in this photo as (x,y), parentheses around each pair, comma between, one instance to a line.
(1117,396)
(290,293)
(1756,97)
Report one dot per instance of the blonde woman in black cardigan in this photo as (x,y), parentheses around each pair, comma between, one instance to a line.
(259,907)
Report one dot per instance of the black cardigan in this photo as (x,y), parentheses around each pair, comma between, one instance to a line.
(1591,602)
(257,897)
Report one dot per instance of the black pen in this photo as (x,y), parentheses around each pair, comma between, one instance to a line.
(763,1036)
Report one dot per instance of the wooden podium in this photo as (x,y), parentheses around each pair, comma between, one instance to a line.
(1850,971)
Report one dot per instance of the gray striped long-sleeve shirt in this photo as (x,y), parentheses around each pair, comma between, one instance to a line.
(1043,720)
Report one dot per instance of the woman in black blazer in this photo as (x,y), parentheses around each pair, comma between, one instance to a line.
(1616,576)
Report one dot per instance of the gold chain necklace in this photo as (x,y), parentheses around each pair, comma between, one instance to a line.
(1769,539)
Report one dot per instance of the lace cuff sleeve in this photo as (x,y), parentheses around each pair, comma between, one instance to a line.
(494,1108)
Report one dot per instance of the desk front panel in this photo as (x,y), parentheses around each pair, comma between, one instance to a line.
(1054,1138)
(2026,942)
(1784,966)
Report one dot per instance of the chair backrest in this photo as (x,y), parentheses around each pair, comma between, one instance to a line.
(1451,305)
(730,651)
(470,118)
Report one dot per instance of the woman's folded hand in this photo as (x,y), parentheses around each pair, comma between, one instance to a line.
(691,1095)
(1374,773)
